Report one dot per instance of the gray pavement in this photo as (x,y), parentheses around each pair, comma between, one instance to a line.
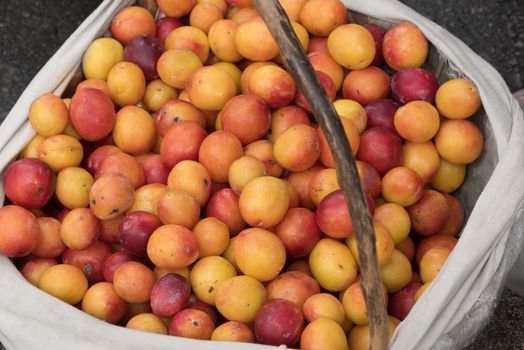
(31,30)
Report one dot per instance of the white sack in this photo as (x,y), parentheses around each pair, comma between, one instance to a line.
(457,305)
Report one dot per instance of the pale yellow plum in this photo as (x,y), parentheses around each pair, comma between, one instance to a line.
(353,111)
(259,253)
(321,17)
(209,88)
(126,84)
(101,55)
(243,170)
(212,235)
(157,93)
(395,219)
(222,40)
(396,273)
(207,274)
(457,99)
(176,65)
(352,46)
(422,157)
(324,182)
(48,115)
(240,298)
(264,201)
(459,141)
(332,265)
(449,177)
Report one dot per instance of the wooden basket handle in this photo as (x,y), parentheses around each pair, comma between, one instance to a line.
(298,65)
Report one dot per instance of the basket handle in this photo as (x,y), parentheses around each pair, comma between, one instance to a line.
(298,65)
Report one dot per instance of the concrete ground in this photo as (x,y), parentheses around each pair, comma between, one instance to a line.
(31,30)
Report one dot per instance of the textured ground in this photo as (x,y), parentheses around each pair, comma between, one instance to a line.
(31,30)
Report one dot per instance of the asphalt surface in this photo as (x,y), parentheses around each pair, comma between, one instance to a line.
(32,30)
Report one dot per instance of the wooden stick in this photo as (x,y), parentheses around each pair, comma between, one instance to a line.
(298,65)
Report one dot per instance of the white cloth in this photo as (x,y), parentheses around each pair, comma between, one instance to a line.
(449,313)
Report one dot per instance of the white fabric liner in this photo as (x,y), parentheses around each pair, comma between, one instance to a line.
(448,315)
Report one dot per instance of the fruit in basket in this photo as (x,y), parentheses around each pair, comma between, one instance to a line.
(101,55)
(221,40)
(247,117)
(352,46)
(323,333)
(233,331)
(92,114)
(405,46)
(19,231)
(353,111)
(298,231)
(134,130)
(61,151)
(279,322)
(165,26)
(79,229)
(396,273)
(207,274)
(431,263)
(350,130)
(144,51)
(224,205)
(378,36)
(110,196)
(101,301)
(48,115)
(134,231)
(272,84)
(240,298)
(90,260)
(169,295)
(384,244)
(203,16)
(457,99)
(133,282)
(49,243)
(147,322)
(189,38)
(366,85)
(176,65)
(403,186)
(126,83)
(210,88)
(422,157)
(259,253)
(293,286)
(459,141)
(430,214)
(322,61)
(65,282)
(172,247)
(29,183)
(321,17)
(131,22)
(35,268)
(380,148)
(297,148)
(191,323)
(414,84)
(254,41)
(182,142)
(332,265)
(417,121)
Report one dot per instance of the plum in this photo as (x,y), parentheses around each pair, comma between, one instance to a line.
(144,51)
(414,84)
(135,230)
(382,113)
(170,294)
(279,322)
(29,183)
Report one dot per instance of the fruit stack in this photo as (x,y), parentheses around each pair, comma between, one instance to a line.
(185,189)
